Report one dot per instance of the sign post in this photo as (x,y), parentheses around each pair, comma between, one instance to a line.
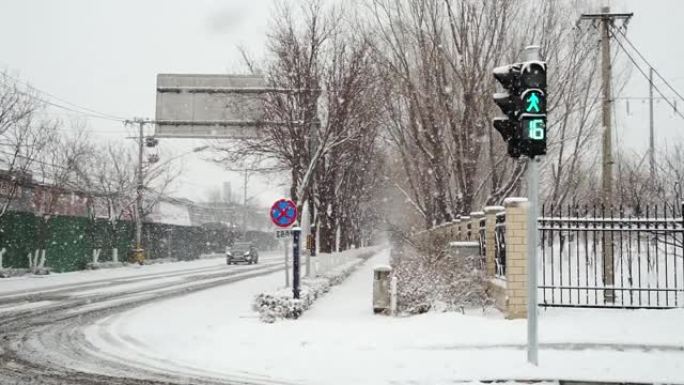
(296,232)
(283,214)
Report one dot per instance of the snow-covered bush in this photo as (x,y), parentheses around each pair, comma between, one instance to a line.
(431,277)
(11,272)
(281,304)
(104,265)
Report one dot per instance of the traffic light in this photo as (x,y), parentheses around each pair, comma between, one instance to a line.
(509,103)
(524,104)
(533,115)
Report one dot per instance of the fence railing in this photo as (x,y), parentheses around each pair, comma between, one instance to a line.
(482,234)
(599,257)
(500,245)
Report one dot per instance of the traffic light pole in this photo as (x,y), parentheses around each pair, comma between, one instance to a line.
(533,199)
(532,53)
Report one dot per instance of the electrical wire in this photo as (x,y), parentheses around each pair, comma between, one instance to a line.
(44,163)
(74,107)
(643,73)
(624,36)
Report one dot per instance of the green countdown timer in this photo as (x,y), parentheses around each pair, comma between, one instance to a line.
(536,129)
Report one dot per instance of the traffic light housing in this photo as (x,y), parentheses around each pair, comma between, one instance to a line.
(524,104)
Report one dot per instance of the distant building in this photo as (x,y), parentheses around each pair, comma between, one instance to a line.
(171,211)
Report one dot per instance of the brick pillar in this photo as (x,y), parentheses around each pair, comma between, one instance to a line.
(490,238)
(516,257)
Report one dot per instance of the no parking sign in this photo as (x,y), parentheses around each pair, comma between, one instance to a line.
(283,213)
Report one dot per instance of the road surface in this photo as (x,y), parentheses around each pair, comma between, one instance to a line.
(41,320)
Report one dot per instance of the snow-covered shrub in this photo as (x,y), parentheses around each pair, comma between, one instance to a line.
(104,265)
(11,272)
(431,277)
(281,304)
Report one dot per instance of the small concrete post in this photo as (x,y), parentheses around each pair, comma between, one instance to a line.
(393,296)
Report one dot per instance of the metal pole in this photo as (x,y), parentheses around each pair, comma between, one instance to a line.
(533,196)
(532,53)
(307,263)
(651,145)
(607,170)
(296,232)
(139,197)
(287,267)
(244,210)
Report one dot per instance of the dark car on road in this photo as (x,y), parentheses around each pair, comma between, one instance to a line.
(242,252)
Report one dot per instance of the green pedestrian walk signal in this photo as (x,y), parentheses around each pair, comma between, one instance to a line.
(532,102)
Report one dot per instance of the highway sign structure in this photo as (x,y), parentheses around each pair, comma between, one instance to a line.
(283,213)
(209,106)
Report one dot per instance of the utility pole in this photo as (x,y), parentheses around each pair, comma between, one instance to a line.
(139,256)
(244,210)
(607,21)
(651,145)
(606,74)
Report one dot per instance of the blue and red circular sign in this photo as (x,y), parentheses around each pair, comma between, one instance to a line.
(284,213)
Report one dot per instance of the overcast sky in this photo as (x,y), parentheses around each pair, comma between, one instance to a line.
(105,55)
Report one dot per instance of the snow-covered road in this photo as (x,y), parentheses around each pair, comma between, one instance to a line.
(339,341)
(139,328)
(41,319)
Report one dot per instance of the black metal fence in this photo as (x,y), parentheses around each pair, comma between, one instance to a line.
(482,232)
(500,245)
(600,257)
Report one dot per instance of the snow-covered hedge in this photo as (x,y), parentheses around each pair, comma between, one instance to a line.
(10,272)
(104,265)
(280,304)
(437,278)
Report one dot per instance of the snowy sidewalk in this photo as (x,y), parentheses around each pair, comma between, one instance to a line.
(340,341)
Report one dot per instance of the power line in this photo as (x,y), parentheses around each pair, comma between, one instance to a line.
(74,107)
(69,109)
(624,36)
(645,75)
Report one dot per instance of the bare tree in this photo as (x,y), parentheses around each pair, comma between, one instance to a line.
(436,58)
(110,179)
(326,110)
(24,137)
